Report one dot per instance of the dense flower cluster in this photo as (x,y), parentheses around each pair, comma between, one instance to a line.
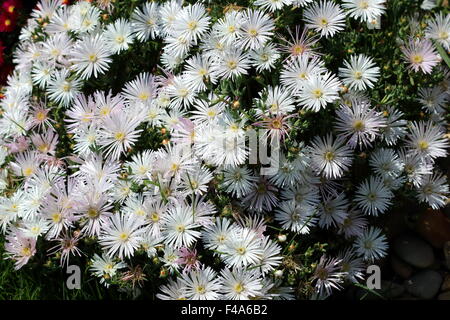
(78,170)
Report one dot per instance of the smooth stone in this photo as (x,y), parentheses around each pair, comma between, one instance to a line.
(425,284)
(446,283)
(400,267)
(414,251)
(444,296)
(391,290)
(434,227)
(447,254)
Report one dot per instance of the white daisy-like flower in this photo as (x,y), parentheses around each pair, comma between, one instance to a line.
(371,245)
(427,140)
(62,88)
(318,91)
(240,284)
(191,22)
(272,5)
(119,133)
(439,29)
(145,21)
(330,157)
(257,28)
(373,197)
(118,35)
(433,189)
(295,217)
(386,163)
(201,284)
(178,228)
(325,17)
(364,10)
(233,63)
(333,210)
(122,235)
(90,57)
(360,73)
(105,267)
(360,123)
(242,248)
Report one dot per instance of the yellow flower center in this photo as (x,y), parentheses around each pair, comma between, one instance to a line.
(358,75)
(417,58)
(123,237)
(26,251)
(93,58)
(253,32)
(56,217)
(298,49)
(318,93)
(120,39)
(423,145)
(119,136)
(28,172)
(358,125)
(41,116)
(239,287)
(363,5)
(93,213)
(329,156)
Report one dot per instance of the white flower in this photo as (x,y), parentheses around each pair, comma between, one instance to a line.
(242,248)
(119,133)
(360,123)
(433,189)
(371,245)
(295,217)
(62,88)
(240,284)
(325,17)
(233,63)
(122,235)
(439,29)
(178,229)
(364,10)
(257,28)
(272,5)
(201,284)
(427,140)
(330,157)
(360,73)
(145,21)
(318,91)
(90,57)
(191,22)
(373,197)
(333,211)
(105,267)
(118,35)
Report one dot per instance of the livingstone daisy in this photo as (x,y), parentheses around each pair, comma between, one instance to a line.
(330,157)
(360,73)
(90,57)
(121,236)
(364,10)
(420,54)
(371,245)
(325,17)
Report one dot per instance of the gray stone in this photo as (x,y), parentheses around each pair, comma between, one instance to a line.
(400,267)
(425,284)
(391,290)
(447,254)
(414,251)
